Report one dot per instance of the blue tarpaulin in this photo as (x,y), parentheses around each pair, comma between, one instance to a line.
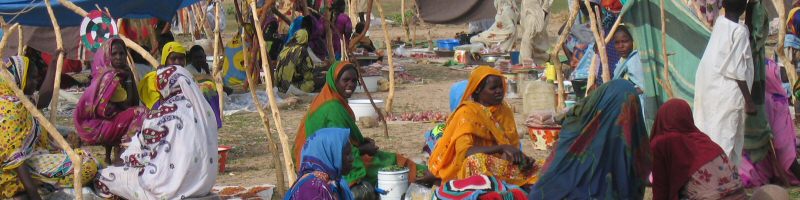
(34,12)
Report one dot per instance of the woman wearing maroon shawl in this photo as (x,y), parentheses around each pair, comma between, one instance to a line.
(109,109)
(686,163)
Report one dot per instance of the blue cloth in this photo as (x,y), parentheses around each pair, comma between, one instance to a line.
(456,92)
(37,15)
(791,41)
(603,151)
(632,67)
(323,152)
(582,71)
(296,25)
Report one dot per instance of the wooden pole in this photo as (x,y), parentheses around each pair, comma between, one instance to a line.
(667,84)
(592,75)
(360,36)
(43,121)
(276,115)
(217,72)
(787,63)
(613,30)
(388,43)
(404,21)
(554,55)
(20,44)
(131,64)
(273,147)
(602,51)
(59,63)
(326,16)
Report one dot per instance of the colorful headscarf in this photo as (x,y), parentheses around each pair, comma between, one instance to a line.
(169,48)
(471,119)
(18,66)
(329,110)
(94,110)
(602,152)
(679,149)
(323,153)
(793,22)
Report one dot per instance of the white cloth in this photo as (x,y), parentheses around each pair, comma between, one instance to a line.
(503,33)
(175,154)
(718,101)
(533,30)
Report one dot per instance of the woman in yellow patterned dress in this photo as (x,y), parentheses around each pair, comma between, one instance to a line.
(481,137)
(24,148)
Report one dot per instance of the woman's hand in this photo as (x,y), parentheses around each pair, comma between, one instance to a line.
(513,154)
(368,147)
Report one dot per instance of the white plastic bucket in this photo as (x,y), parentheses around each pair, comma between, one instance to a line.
(371,82)
(362,108)
(395,184)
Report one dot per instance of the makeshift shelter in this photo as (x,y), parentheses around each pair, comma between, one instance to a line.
(33,13)
(455,11)
(686,40)
(37,28)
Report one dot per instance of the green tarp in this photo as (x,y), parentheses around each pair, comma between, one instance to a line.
(687,38)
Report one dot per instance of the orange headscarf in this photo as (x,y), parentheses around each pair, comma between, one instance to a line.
(472,124)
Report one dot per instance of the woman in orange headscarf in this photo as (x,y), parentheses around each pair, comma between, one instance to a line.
(481,136)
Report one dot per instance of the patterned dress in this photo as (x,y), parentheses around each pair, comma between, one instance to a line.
(175,153)
(718,179)
(23,142)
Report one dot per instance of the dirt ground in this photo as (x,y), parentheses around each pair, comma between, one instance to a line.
(250,162)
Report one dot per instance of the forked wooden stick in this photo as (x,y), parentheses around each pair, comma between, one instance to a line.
(20,44)
(59,62)
(43,121)
(217,72)
(388,42)
(276,115)
(554,55)
(667,84)
(273,147)
(360,36)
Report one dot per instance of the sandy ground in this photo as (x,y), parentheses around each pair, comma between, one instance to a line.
(250,162)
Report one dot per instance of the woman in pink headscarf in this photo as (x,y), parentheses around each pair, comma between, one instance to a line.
(109,109)
(780,164)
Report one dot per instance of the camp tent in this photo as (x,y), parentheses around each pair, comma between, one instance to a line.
(455,11)
(38,31)
(34,13)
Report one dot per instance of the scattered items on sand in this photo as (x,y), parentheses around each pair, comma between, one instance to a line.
(425,116)
(257,192)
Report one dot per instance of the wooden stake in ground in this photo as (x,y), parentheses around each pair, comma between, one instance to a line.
(554,55)
(388,43)
(602,51)
(404,21)
(666,83)
(20,44)
(787,62)
(217,72)
(273,147)
(276,115)
(43,121)
(59,63)
(360,36)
